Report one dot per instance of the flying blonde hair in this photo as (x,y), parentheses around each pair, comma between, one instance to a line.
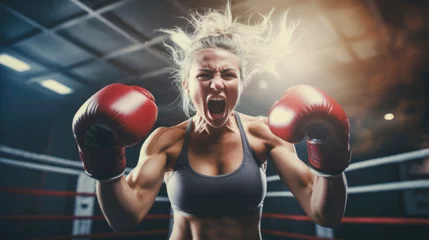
(256,45)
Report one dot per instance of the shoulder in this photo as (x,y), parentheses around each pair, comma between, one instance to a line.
(258,127)
(163,138)
(249,119)
(255,125)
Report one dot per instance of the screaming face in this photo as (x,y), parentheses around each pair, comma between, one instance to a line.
(213,85)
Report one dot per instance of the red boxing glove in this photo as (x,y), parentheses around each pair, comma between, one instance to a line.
(304,110)
(116,117)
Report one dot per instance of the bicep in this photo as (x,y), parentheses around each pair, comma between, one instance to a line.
(294,173)
(149,172)
(146,178)
(146,181)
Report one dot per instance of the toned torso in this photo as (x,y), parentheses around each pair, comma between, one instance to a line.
(215,155)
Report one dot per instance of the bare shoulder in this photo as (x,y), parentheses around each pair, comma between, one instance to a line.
(258,127)
(163,138)
(249,119)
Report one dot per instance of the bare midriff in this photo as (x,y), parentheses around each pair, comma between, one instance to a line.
(210,228)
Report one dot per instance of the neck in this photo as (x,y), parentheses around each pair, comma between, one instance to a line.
(202,127)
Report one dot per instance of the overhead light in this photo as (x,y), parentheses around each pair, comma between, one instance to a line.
(389,116)
(14,63)
(55,86)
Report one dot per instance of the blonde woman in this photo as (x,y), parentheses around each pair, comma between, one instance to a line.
(214,163)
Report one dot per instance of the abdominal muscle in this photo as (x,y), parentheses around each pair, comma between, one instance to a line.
(211,228)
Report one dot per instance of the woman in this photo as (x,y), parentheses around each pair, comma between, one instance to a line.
(214,163)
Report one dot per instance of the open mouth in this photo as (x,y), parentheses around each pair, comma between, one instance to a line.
(216,107)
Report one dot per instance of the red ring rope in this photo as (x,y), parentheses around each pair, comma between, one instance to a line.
(153,232)
(368,220)
(372,220)
(106,235)
(68,217)
(41,192)
(293,235)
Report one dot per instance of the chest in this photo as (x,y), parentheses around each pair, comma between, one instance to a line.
(224,175)
(222,155)
(219,151)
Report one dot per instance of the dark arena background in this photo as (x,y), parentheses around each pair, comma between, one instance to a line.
(372,56)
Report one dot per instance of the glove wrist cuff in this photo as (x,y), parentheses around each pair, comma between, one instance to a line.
(108,179)
(325,175)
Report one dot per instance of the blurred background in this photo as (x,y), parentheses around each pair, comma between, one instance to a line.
(370,55)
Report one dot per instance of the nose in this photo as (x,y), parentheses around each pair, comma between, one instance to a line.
(217,83)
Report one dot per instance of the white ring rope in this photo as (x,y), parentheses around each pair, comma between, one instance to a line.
(370,188)
(424,183)
(38,166)
(40,157)
(377,161)
(351,190)
(63,170)
(389,159)
(45,158)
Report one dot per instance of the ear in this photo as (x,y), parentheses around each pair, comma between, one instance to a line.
(185,85)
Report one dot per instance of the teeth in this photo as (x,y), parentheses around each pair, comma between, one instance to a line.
(217,98)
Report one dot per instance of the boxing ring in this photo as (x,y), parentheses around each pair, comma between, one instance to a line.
(84,197)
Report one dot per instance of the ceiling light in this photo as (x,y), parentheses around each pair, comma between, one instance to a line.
(55,86)
(389,116)
(14,63)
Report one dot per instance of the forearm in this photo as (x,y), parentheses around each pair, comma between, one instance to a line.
(119,203)
(328,200)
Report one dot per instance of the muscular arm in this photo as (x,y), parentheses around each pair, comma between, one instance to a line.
(323,199)
(328,200)
(126,201)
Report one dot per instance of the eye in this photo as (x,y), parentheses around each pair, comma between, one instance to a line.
(229,76)
(203,76)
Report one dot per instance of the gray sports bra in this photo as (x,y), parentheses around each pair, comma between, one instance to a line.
(238,193)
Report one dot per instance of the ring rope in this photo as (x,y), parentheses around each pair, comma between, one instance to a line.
(293,235)
(67,217)
(42,192)
(372,220)
(354,166)
(40,157)
(364,220)
(351,190)
(389,159)
(106,235)
(377,161)
(369,188)
(44,158)
(162,231)
(38,166)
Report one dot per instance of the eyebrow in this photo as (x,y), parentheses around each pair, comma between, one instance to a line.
(229,69)
(210,71)
(205,70)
